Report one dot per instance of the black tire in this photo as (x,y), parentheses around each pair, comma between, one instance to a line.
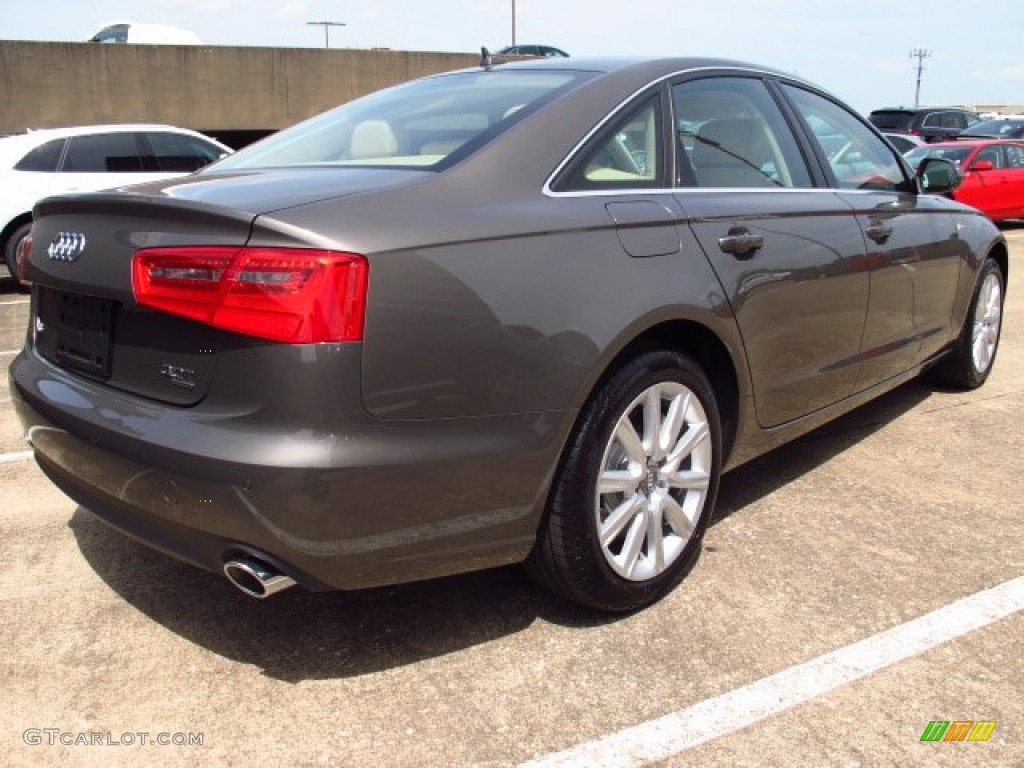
(11,249)
(962,367)
(569,557)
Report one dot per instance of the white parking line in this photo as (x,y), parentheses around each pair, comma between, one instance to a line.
(7,458)
(9,352)
(676,732)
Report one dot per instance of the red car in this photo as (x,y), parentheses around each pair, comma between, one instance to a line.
(993,173)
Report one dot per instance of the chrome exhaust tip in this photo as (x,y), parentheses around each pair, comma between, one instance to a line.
(255,577)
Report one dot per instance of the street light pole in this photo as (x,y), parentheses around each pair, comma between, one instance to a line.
(920,54)
(326,25)
(513,22)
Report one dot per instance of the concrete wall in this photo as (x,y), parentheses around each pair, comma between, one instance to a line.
(45,85)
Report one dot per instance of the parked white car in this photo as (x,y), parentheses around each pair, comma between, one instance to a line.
(88,158)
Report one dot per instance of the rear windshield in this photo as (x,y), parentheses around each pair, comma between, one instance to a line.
(427,123)
(892,121)
(1003,129)
(954,154)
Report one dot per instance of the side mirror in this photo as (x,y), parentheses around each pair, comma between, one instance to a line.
(982,165)
(937,176)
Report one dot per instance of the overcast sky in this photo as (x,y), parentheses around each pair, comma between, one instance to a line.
(859,50)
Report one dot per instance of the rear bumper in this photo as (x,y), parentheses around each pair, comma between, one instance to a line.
(380,503)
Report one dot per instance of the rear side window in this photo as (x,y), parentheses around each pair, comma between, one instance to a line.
(1015,156)
(731,133)
(627,155)
(43,158)
(176,153)
(103,153)
(945,120)
(857,157)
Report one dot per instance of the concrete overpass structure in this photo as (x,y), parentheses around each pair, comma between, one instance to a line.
(214,89)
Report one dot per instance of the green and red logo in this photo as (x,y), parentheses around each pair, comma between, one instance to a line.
(958,730)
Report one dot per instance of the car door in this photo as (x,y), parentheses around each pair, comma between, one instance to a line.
(988,183)
(1015,179)
(911,242)
(789,255)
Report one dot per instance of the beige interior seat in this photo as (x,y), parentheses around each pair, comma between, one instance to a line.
(729,153)
(373,138)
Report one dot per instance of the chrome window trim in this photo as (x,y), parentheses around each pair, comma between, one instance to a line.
(571,156)
(648,191)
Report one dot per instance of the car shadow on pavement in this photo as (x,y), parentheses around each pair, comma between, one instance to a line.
(299,635)
(768,473)
(7,284)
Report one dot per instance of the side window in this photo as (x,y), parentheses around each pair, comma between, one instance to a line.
(952,120)
(175,152)
(628,155)
(857,157)
(731,133)
(116,33)
(103,153)
(1015,156)
(43,158)
(990,154)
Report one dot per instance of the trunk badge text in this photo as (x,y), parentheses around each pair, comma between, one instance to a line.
(66,246)
(179,375)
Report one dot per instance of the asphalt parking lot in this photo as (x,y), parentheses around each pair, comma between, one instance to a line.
(898,510)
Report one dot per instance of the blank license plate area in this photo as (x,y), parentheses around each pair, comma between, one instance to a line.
(77,331)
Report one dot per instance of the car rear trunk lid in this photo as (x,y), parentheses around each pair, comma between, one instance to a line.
(84,316)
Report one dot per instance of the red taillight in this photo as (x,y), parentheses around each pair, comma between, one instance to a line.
(21,258)
(292,295)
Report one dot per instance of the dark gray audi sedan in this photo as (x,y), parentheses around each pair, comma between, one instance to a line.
(521,313)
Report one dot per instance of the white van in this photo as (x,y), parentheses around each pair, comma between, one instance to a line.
(152,34)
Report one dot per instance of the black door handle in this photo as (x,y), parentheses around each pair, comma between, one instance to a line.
(741,243)
(879,233)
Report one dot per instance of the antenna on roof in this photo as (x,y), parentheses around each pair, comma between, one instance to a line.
(485,58)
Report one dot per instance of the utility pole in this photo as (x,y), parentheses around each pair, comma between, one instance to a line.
(327,25)
(513,22)
(920,54)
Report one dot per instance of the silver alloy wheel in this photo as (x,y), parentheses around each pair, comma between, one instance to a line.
(654,480)
(987,318)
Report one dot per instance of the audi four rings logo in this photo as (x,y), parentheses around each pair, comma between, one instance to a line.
(66,246)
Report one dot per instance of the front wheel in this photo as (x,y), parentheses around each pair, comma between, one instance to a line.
(636,486)
(971,360)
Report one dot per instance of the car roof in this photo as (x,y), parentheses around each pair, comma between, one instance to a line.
(971,143)
(642,70)
(917,110)
(35,137)
(81,130)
